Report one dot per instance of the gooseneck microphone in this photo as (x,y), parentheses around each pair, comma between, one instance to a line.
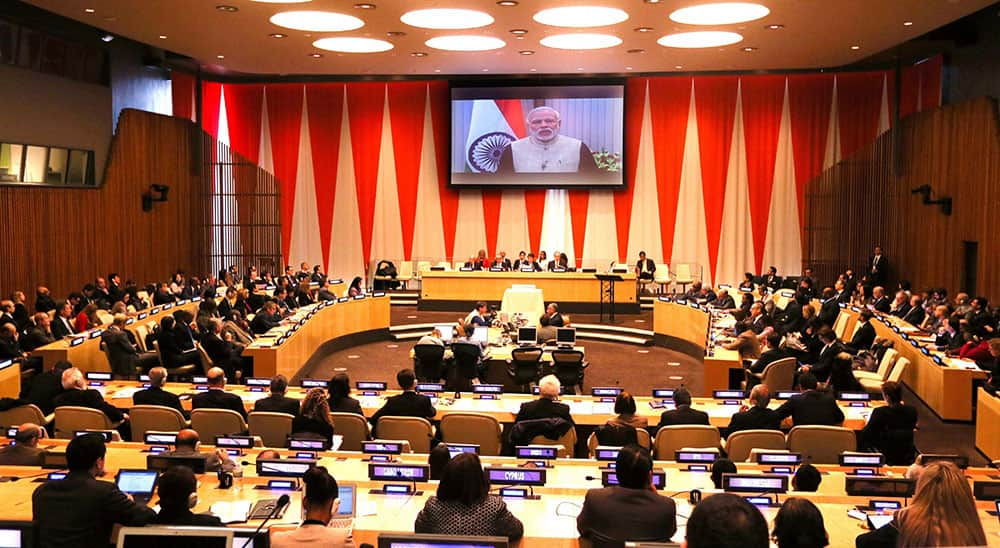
(283,501)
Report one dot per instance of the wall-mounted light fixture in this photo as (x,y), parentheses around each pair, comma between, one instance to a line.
(156,193)
(925,191)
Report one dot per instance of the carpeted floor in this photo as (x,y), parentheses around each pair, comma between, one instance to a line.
(638,369)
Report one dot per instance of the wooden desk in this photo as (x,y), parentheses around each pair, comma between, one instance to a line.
(988,424)
(574,291)
(947,389)
(10,381)
(684,328)
(340,325)
(87,354)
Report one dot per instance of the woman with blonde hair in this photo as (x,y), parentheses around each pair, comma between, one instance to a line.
(314,417)
(942,513)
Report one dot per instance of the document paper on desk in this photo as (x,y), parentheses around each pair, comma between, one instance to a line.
(126,392)
(231,512)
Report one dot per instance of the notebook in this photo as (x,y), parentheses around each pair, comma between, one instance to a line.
(138,483)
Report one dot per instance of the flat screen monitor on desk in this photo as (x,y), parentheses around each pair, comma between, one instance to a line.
(446,330)
(481,334)
(527,336)
(16,533)
(170,537)
(566,336)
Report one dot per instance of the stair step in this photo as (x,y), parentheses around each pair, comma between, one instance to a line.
(615,328)
(614,338)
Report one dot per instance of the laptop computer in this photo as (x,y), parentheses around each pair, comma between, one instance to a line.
(136,482)
(344,518)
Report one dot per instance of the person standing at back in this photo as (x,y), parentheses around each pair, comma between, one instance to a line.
(80,511)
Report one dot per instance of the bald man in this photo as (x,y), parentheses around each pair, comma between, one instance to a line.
(216,397)
(25,451)
(544,150)
(188,444)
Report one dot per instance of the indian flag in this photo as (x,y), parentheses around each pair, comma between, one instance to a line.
(494,125)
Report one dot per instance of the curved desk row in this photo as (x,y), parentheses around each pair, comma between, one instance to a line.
(684,328)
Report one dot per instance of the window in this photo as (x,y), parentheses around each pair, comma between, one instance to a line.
(45,165)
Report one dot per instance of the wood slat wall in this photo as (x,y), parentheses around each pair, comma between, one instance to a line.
(861,202)
(65,237)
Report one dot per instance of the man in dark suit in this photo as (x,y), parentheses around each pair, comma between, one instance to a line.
(39,335)
(865,334)
(724,301)
(122,355)
(645,269)
(880,303)
(683,413)
(62,325)
(45,387)
(188,444)
(877,266)
(43,300)
(811,406)
(223,353)
(559,260)
(771,279)
(773,353)
(842,293)
(81,510)
(790,320)
(216,397)
(555,318)
(546,406)
(632,510)
(174,489)
(267,318)
(77,394)
(915,316)
(824,361)
(830,309)
(277,402)
(155,394)
(170,340)
(407,404)
(757,416)
(25,452)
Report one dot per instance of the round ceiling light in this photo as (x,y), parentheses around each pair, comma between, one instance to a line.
(352,44)
(580,16)
(581,41)
(722,13)
(704,39)
(281,1)
(317,21)
(460,42)
(447,19)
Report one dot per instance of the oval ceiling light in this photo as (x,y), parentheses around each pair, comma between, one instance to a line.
(281,1)
(353,44)
(581,41)
(722,13)
(317,21)
(447,19)
(580,16)
(460,42)
(703,39)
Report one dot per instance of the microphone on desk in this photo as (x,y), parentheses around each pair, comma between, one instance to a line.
(283,501)
(16,478)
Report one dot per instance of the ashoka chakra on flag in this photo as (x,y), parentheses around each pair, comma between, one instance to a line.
(485,152)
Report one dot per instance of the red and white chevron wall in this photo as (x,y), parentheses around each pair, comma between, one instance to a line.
(720,166)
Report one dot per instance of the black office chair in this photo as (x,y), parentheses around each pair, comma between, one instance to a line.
(523,366)
(428,362)
(568,366)
(466,366)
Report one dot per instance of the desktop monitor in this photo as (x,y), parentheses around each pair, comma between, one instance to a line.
(161,462)
(566,336)
(481,334)
(447,331)
(527,335)
(412,540)
(170,537)
(16,534)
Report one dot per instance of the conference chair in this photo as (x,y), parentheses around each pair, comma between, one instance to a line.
(778,375)
(621,268)
(821,444)
(105,317)
(661,277)
(416,430)
(143,418)
(174,371)
(566,442)
(210,423)
(272,428)
(25,413)
(465,367)
(898,369)
(206,361)
(143,296)
(683,275)
(523,366)
(422,266)
(354,429)
(840,325)
(740,445)
(472,428)
(872,382)
(459,264)
(445,265)
(70,418)
(642,439)
(428,362)
(405,273)
(568,366)
(141,331)
(670,439)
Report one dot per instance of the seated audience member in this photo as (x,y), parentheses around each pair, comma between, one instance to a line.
(726,520)
(772,353)
(977,350)
(320,503)
(747,285)
(720,467)
(864,336)
(407,404)
(188,443)
(746,343)
(39,335)
(829,310)
(235,328)
(175,355)
(683,413)
(355,288)
(811,406)
(303,296)
(227,303)
(555,318)
(81,510)
(807,478)
(645,269)
(62,325)
(122,355)
(277,402)
(706,295)
(437,459)
(842,377)
(44,387)
(879,302)
(464,506)
(530,264)
(25,452)
(478,316)
(915,316)
(314,420)
(10,346)
(223,353)
(900,305)
(799,524)
(216,396)
(756,416)
(890,428)
(339,388)
(434,337)
(43,300)
(724,301)
(942,512)
(625,409)
(77,394)
(155,394)
(631,510)
(823,363)
(87,318)
(177,490)
(546,332)
(266,319)
(771,280)
(546,406)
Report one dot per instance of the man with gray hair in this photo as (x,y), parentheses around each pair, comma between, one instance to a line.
(155,394)
(756,416)
(544,150)
(123,357)
(546,406)
(77,394)
(277,402)
(25,452)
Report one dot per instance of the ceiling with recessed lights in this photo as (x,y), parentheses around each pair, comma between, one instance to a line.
(421,37)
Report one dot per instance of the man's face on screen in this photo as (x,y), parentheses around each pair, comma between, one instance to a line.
(544,124)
